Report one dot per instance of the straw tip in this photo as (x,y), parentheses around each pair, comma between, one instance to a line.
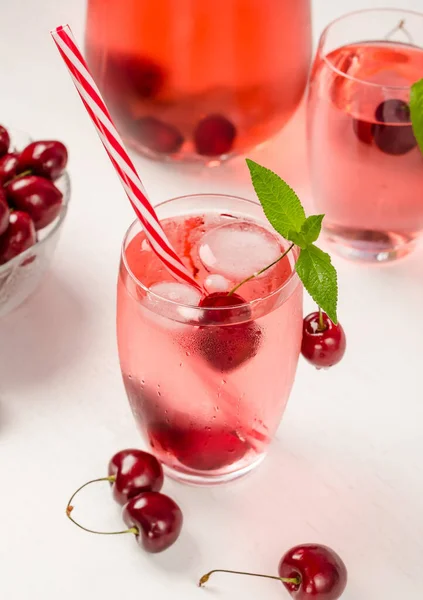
(59,29)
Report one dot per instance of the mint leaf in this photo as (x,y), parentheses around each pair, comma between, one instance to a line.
(280,203)
(416,111)
(310,231)
(298,238)
(311,228)
(285,213)
(319,278)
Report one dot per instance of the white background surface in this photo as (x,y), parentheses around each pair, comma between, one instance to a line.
(346,469)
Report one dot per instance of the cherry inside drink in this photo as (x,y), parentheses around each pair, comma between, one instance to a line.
(367,169)
(199,80)
(208,379)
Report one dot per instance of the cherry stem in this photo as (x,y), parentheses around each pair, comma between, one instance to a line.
(322,325)
(238,285)
(70,508)
(292,580)
(400,27)
(23,174)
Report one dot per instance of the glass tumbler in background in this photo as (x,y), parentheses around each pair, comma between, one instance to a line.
(199,80)
(366,167)
(208,386)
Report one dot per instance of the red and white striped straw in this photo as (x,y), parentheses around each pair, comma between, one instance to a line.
(97,109)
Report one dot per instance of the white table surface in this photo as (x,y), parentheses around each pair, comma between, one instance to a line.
(346,468)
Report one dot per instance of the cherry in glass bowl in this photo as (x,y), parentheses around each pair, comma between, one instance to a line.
(21,276)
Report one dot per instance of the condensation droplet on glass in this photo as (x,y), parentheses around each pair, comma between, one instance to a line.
(142,381)
(188,353)
(130,377)
(207,428)
(180,364)
(158,385)
(159,393)
(223,381)
(216,408)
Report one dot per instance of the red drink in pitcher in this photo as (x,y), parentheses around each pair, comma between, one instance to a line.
(208,386)
(199,80)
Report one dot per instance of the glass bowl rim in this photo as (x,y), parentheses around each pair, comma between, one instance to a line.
(353,13)
(239,307)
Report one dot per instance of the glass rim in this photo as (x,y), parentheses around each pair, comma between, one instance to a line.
(346,16)
(57,223)
(293,275)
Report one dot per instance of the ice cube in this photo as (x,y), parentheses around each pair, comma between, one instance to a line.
(237,250)
(216,283)
(177,292)
(167,314)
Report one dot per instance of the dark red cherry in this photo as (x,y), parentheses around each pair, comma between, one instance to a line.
(199,449)
(135,471)
(4,212)
(393,134)
(4,140)
(8,166)
(47,158)
(214,136)
(225,301)
(393,111)
(158,136)
(136,75)
(322,347)
(321,572)
(158,520)
(363,130)
(37,196)
(228,346)
(19,236)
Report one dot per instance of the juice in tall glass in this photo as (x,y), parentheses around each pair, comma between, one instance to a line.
(199,80)
(208,386)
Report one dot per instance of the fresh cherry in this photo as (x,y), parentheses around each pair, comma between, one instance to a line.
(45,158)
(323,343)
(138,75)
(37,196)
(8,166)
(19,236)
(157,518)
(309,572)
(4,212)
(393,134)
(228,346)
(393,111)
(199,449)
(158,136)
(214,136)
(4,140)
(134,471)
(321,572)
(363,130)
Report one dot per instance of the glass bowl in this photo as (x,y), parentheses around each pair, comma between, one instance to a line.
(20,277)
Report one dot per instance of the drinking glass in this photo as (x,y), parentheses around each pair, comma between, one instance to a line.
(208,386)
(366,167)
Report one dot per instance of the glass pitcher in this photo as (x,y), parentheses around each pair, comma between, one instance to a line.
(199,80)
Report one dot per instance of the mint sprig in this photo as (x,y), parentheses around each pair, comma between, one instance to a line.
(416,111)
(280,203)
(285,213)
